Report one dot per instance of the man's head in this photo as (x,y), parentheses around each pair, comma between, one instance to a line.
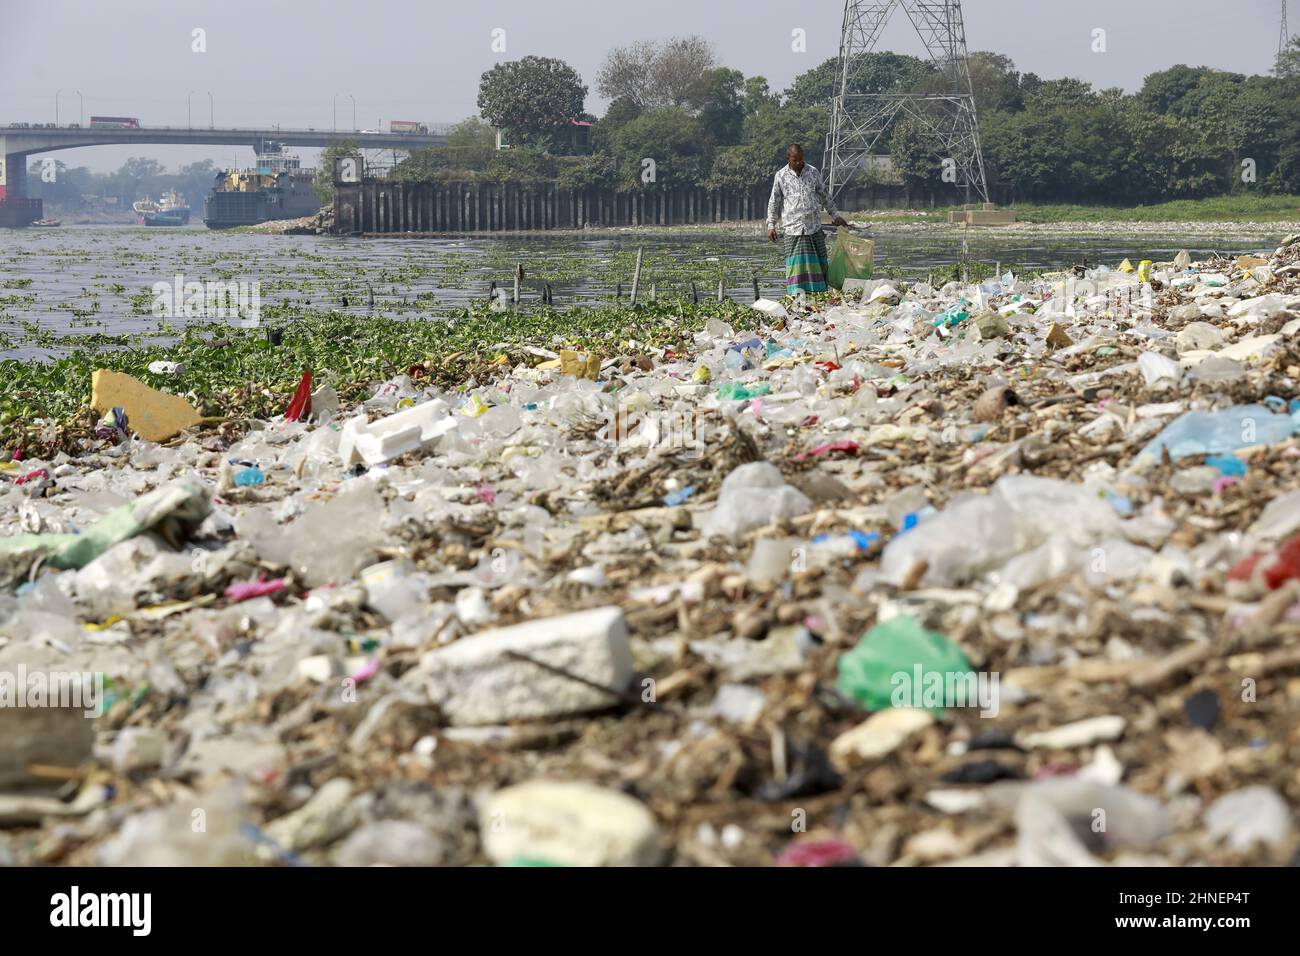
(794,156)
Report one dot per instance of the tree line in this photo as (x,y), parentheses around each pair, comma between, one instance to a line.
(75,187)
(1189,132)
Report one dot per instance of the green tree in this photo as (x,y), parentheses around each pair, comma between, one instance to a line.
(532,98)
(917,156)
(1286,174)
(520,165)
(195,182)
(1287,66)
(996,83)
(758,96)
(774,128)
(1022,152)
(1064,94)
(1237,117)
(723,115)
(619,113)
(673,139)
(870,73)
(471,143)
(597,171)
(740,167)
(1165,90)
(426,165)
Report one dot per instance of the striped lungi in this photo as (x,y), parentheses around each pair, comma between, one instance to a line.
(805,263)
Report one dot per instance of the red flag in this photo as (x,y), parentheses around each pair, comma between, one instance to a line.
(300,405)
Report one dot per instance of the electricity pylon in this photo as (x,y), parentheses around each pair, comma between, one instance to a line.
(860,120)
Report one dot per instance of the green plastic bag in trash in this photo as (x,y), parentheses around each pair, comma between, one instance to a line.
(901,664)
(172,511)
(851,258)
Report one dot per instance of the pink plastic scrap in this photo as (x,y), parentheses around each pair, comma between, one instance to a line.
(832,852)
(847,447)
(367,670)
(245,590)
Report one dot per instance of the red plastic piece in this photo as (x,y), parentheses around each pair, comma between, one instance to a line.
(300,405)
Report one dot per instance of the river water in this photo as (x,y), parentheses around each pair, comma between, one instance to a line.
(80,280)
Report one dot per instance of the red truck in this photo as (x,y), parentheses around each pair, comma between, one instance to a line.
(407,126)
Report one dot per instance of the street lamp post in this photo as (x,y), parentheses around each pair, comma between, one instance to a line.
(56,107)
(189,121)
(81,108)
(212,124)
(336,112)
(354,112)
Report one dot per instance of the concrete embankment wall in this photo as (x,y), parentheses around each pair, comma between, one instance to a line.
(386,206)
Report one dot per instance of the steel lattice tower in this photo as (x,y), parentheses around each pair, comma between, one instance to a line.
(859,121)
(1283,37)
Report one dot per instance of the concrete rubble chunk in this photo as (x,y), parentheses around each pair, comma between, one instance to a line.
(569,824)
(1078,734)
(40,736)
(477,680)
(878,736)
(328,815)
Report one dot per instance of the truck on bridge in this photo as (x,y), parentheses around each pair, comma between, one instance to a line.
(407,126)
(114,122)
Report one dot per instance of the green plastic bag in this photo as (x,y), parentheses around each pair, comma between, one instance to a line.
(172,511)
(892,666)
(851,258)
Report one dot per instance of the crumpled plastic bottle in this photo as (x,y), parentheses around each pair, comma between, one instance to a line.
(753,495)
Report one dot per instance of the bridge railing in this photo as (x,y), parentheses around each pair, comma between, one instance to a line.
(435,129)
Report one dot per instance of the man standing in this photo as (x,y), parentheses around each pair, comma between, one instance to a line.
(798,195)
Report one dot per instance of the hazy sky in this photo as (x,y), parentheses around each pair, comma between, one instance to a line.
(271,62)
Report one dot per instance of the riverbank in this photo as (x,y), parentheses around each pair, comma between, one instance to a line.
(314,225)
(238,373)
(913,223)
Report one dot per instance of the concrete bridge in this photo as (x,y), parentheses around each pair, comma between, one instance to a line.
(17,142)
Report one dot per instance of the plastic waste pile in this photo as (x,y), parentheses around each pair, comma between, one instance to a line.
(938,573)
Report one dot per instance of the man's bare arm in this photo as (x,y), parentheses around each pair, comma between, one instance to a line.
(774,204)
(824,196)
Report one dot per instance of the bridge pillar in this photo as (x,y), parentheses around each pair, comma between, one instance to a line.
(16,174)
